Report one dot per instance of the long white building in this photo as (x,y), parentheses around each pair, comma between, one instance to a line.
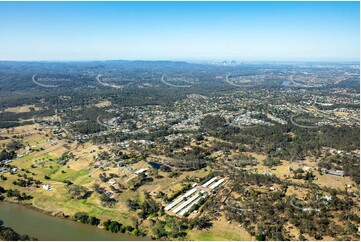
(216,184)
(209,182)
(183,205)
(180,199)
(184,211)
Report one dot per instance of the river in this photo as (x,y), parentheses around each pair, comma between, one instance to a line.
(44,227)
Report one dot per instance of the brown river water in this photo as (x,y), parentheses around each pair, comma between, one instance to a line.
(44,227)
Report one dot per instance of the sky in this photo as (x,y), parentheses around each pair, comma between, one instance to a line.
(280,31)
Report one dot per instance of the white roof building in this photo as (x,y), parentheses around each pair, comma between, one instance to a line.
(140,171)
(47,187)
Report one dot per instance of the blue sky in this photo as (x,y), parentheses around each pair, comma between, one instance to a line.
(327,31)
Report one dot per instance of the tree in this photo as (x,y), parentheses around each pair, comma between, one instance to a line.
(82,217)
(112,226)
(78,192)
(201,223)
(260,237)
(107,201)
(270,162)
(97,188)
(93,221)
(7,233)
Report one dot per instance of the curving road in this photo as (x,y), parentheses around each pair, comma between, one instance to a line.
(42,85)
(301,126)
(33,119)
(170,84)
(101,123)
(304,209)
(296,84)
(237,85)
(107,84)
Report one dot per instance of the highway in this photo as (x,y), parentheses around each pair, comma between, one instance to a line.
(107,84)
(42,85)
(238,85)
(170,84)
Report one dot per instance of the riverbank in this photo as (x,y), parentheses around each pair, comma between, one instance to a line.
(39,210)
(28,220)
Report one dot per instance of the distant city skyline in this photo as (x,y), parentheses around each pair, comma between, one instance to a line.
(190,31)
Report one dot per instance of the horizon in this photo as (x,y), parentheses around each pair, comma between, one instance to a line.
(191,61)
(180,31)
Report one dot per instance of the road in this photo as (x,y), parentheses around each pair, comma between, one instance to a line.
(68,134)
(42,85)
(237,85)
(296,84)
(107,84)
(304,209)
(172,85)
(314,99)
(301,126)
(102,124)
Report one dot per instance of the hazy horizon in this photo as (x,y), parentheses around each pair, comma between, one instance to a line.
(180,31)
(191,61)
